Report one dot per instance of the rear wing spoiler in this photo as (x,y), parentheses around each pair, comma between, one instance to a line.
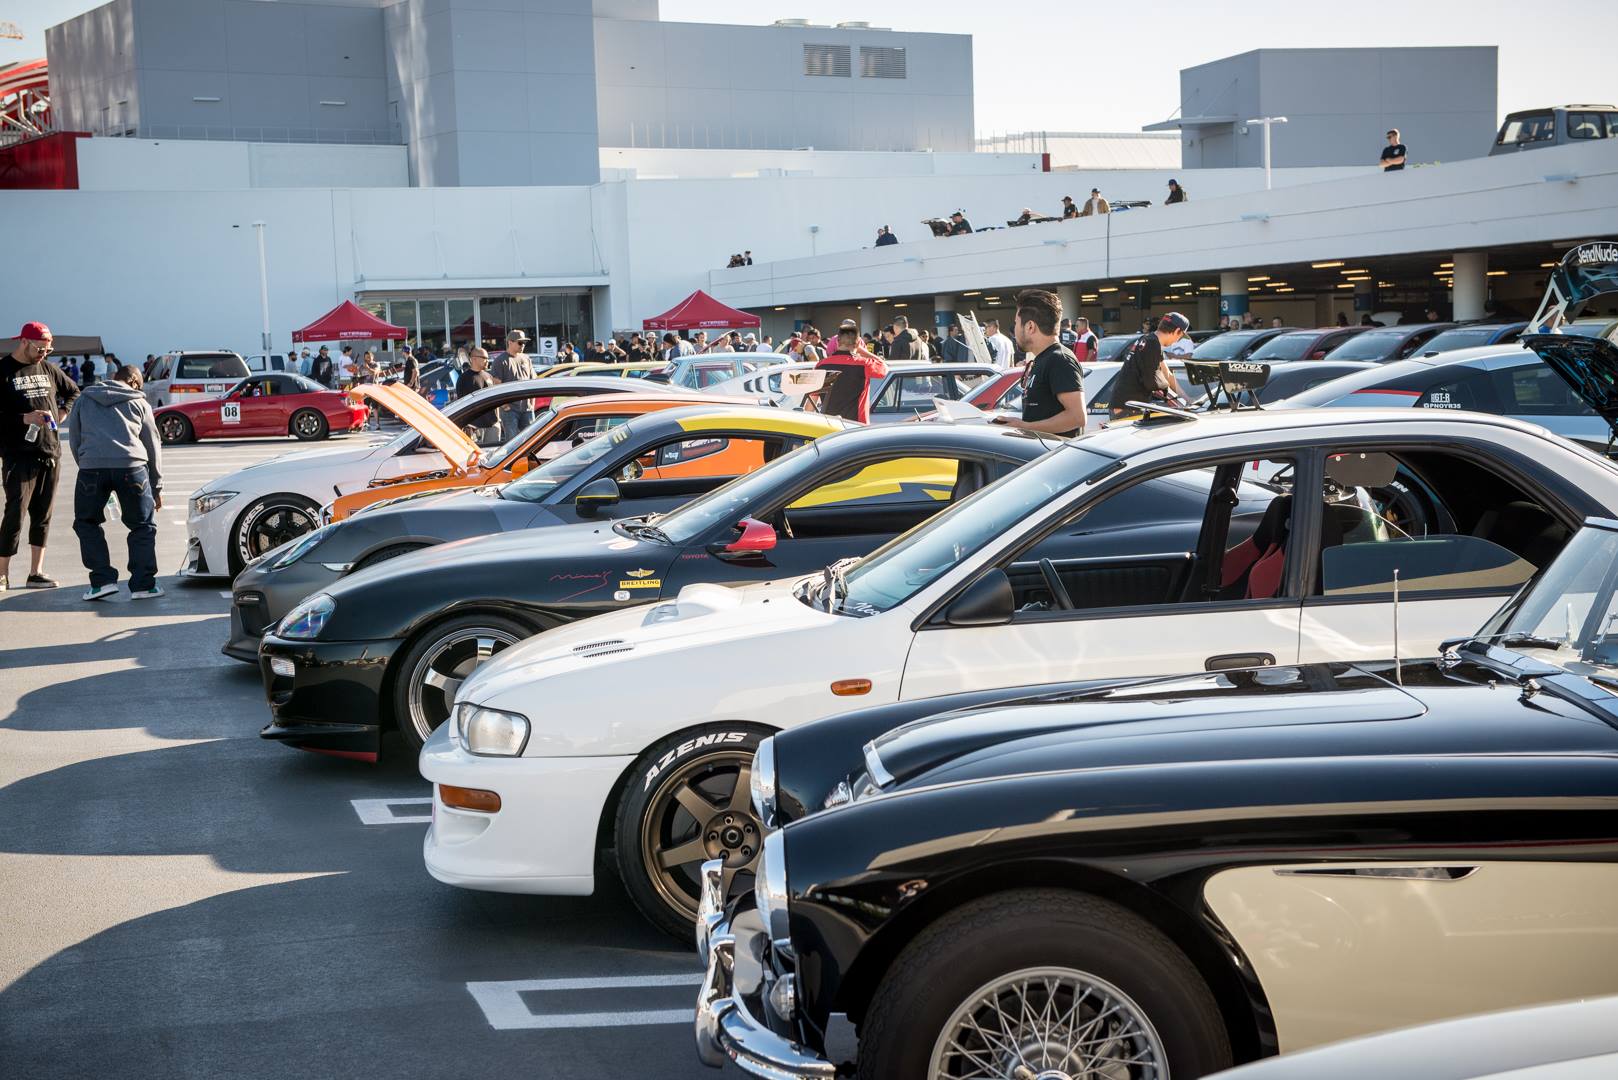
(1236,380)
(1587,271)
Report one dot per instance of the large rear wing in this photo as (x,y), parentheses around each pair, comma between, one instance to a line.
(1588,271)
(1239,381)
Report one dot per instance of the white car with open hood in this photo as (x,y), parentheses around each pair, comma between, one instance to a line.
(1315,535)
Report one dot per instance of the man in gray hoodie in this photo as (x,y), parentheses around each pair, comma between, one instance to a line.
(114,439)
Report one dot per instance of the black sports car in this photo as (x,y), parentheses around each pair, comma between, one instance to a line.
(1163,877)
(392,643)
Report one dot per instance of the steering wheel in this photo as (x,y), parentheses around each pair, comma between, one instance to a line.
(1053,582)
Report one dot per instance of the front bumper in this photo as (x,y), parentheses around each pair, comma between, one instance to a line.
(542,839)
(725,1028)
(205,554)
(331,702)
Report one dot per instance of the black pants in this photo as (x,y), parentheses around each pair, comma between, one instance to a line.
(29,482)
(135,500)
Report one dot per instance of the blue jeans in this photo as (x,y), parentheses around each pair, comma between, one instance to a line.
(135,500)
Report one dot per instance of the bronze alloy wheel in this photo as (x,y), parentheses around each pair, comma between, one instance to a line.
(174,428)
(699,811)
(307,424)
(444,664)
(1052,1023)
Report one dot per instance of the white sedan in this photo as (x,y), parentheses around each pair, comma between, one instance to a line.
(633,731)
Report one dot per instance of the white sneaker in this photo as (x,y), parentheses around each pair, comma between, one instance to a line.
(100,592)
(146,594)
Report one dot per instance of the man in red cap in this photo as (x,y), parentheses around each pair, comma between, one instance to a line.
(34,396)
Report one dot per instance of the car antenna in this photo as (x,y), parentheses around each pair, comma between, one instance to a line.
(1398,668)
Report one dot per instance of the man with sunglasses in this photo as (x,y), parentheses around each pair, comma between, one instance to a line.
(34,397)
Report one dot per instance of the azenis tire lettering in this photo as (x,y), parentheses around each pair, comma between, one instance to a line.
(716,739)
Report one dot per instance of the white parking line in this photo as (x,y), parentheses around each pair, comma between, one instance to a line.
(504,1008)
(380,811)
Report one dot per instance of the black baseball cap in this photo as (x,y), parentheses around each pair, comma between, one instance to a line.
(848,326)
(1174,321)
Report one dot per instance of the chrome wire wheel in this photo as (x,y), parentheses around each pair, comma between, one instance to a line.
(701,811)
(437,676)
(1049,1023)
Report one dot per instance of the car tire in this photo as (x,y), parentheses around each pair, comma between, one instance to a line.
(392,551)
(688,800)
(1050,942)
(437,662)
(173,429)
(309,425)
(269,523)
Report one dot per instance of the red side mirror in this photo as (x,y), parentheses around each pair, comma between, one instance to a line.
(756,538)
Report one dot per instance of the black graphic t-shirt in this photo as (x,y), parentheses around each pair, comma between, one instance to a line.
(23,389)
(1397,150)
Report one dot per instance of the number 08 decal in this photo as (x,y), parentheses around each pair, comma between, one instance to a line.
(230,412)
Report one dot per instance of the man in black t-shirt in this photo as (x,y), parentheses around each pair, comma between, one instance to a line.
(1145,375)
(958,225)
(1393,155)
(34,397)
(1053,402)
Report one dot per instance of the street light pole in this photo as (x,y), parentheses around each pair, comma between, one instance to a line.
(1267,121)
(263,285)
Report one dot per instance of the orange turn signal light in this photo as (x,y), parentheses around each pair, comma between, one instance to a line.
(851,687)
(467,798)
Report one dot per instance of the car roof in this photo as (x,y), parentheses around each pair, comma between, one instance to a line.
(972,435)
(722,415)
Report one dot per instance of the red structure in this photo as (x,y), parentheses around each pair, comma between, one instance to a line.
(349,322)
(699,311)
(45,161)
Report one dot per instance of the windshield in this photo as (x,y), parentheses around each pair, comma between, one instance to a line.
(1463,337)
(537,485)
(1111,347)
(725,505)
(1572,601)
(1226,346)
(1285,347)
(910,562)
(1588,328)
(498,456)
(1371,345)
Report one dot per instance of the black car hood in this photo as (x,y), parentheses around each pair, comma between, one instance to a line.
(1588,365)
(563,551)
(1144,714)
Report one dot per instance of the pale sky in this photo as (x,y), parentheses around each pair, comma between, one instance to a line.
(1053,65)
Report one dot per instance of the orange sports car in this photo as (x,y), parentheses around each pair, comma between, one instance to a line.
(552,432)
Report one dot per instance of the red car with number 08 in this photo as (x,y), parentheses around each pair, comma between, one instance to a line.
(275,403)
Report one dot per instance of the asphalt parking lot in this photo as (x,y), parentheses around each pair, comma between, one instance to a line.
(183,900)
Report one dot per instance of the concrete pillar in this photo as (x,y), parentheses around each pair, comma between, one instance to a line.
(1233,294)
(943,313)
(800,316)
(1471,290)
(868,311)
(1207,311)
(1325,311)
(1364,299)
(1069,295)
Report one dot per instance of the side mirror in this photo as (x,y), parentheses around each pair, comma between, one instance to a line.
(756,538)
(988,601)
(596,496)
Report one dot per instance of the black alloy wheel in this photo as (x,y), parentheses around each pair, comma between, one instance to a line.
(440,660)
(688,800)
(267,524)
(309,425)
(174,428)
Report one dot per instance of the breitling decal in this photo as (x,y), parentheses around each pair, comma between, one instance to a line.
(643,583)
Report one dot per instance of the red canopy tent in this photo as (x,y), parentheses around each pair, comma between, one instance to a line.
(699,311)
(349,322)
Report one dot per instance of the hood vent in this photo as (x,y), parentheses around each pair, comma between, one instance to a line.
(594,649)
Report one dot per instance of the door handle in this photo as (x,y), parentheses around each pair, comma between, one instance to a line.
(1232,661)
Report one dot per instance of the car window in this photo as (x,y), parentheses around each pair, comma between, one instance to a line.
(211,366)
(1284,347)
(1527,128)
(709,374)
(901,480)
(1586,125)
(1474,391)
(1111,348)
(912,392)
(1446,523)
(1371,345)
(1212,533)
(966,381)
(702,456)
(296,384)
(1536,390)
(1462,337)
(1226,346)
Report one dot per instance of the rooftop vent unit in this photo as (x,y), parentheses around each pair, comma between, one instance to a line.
(790,22)
(853,26)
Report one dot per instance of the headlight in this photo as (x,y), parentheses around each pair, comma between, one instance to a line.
(303,546)
(770,890)
(210,501)
(490,731)
(762,784)
(308,619)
